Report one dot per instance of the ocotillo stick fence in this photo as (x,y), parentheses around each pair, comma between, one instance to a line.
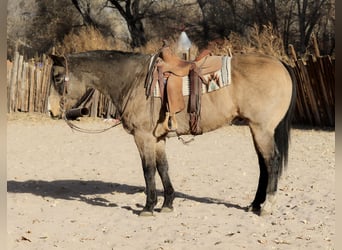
(315,90)
(29,83)
(29,86)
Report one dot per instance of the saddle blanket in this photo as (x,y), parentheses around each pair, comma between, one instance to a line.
(216,80)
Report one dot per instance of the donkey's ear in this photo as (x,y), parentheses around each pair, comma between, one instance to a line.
(57,60)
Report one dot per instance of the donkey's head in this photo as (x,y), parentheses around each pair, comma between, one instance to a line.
(66,88)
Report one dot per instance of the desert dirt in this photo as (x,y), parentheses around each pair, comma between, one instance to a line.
(70,190)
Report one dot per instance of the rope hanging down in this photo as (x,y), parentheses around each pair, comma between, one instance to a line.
(89,131)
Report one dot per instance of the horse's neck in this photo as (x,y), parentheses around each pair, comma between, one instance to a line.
(116,76)
(124,87)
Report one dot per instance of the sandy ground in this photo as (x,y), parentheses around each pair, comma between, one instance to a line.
(69,190)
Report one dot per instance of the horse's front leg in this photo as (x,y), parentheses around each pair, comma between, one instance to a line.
(146,145)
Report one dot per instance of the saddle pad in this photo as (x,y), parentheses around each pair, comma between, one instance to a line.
(216,80)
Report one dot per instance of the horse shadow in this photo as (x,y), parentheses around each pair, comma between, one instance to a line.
(88,192)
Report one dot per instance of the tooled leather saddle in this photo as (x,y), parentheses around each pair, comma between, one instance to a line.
(167,70)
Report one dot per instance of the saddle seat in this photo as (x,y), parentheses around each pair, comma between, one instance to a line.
(173,64)
(205,63)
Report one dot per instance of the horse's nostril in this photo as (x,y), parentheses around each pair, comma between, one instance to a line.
(53,116)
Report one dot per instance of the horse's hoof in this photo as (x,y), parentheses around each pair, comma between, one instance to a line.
(254,209)
(266,209)
(264,212)
(166,210)
(145,213)
(268,205)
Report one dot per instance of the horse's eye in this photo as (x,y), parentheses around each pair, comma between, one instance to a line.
(59,78)
(58,81)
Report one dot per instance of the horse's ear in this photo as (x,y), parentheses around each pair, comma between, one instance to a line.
(57,60)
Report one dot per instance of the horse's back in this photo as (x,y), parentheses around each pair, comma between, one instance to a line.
(258,72)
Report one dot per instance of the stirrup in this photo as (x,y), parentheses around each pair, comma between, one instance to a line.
(168,125)
(170,122)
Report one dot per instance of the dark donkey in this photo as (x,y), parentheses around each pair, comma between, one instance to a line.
(262,92)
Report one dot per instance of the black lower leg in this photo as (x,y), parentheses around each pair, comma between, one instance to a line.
(275,166)
(260,195)
(151,194)
(169,192)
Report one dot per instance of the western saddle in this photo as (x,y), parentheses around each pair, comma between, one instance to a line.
(168,70)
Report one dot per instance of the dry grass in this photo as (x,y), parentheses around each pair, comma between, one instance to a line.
(89,38)
(86,39)
(264,41)
(151,47)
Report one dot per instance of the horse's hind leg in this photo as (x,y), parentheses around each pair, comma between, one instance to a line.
(269,164)
(163,167)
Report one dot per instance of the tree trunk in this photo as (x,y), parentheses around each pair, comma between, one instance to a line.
(137,32)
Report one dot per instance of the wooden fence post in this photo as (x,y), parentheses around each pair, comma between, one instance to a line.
(9,71)
(31,86)
(316,48)
(37,86)
(23,93)
(47,84)
(95,103)
(13,83)
(18,100)
(44,84)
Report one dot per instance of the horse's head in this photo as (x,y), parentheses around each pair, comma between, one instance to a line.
(66,88)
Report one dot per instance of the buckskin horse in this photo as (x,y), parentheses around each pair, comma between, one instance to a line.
(262,92)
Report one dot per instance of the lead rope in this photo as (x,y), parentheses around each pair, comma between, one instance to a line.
(88,131)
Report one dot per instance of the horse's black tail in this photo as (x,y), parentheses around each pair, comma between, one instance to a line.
(282,131)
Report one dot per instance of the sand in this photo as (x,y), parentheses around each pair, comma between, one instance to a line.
(69,190)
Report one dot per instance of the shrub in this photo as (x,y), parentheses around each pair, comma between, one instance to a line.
(85,39)
(265,41)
